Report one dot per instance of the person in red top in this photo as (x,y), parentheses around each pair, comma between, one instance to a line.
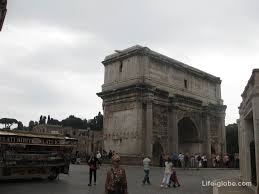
(174,178)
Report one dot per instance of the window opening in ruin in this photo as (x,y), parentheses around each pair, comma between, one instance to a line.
(185,83)
(121,65)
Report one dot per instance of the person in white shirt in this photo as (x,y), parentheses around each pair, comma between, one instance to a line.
(167,173)
(98,155)
(146,165)
(204,161)
(181,158)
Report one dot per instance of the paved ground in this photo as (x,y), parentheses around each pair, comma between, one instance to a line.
(76,182)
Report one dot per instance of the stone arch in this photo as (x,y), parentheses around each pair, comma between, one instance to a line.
(187,130)
(188,136)
(193,116)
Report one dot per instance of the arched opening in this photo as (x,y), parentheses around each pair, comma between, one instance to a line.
(188,136)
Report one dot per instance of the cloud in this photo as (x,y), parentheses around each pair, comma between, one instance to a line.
(51,51)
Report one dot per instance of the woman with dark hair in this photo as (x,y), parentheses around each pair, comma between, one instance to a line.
(92,162)
(116,181)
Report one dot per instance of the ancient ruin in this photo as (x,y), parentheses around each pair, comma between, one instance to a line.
(154,104)
(88,140)
(248,130)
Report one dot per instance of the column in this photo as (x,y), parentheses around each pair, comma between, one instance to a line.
(149,129)
(173,131)
(143,128)
(223,134)
(255,107)
(241,146)
(208,135)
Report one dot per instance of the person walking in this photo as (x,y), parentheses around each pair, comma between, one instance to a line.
(181,159)
(116,181)
(167,173)
(174,178)
(217,161)
(161,160)
(175,159)
(199,165)
(226,161)
(146,165)
(186,161)
(213,160)
(92,162)
(99,157)
(204,161)
(192,161)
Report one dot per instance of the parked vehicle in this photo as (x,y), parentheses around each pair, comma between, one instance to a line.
(32,155)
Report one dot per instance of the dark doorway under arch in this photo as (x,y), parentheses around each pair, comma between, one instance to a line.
(188,136)
(187,131)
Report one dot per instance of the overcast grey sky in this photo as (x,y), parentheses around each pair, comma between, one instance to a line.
(51,51)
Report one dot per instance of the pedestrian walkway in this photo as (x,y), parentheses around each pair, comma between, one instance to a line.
(76,182)
(233,189)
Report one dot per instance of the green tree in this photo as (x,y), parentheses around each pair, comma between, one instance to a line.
(53,122)
(96,123)
(42,120)
(8,122)
(31,125)
(74,122)
(20,126)
(99,121)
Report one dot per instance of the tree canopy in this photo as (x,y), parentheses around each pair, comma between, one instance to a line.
(52,121)
(72,121)
(8,122)
(96,123)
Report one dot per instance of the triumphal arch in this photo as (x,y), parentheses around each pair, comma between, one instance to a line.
(248,131)
(154,104)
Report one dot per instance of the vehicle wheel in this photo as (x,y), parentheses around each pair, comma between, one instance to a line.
(53,174)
